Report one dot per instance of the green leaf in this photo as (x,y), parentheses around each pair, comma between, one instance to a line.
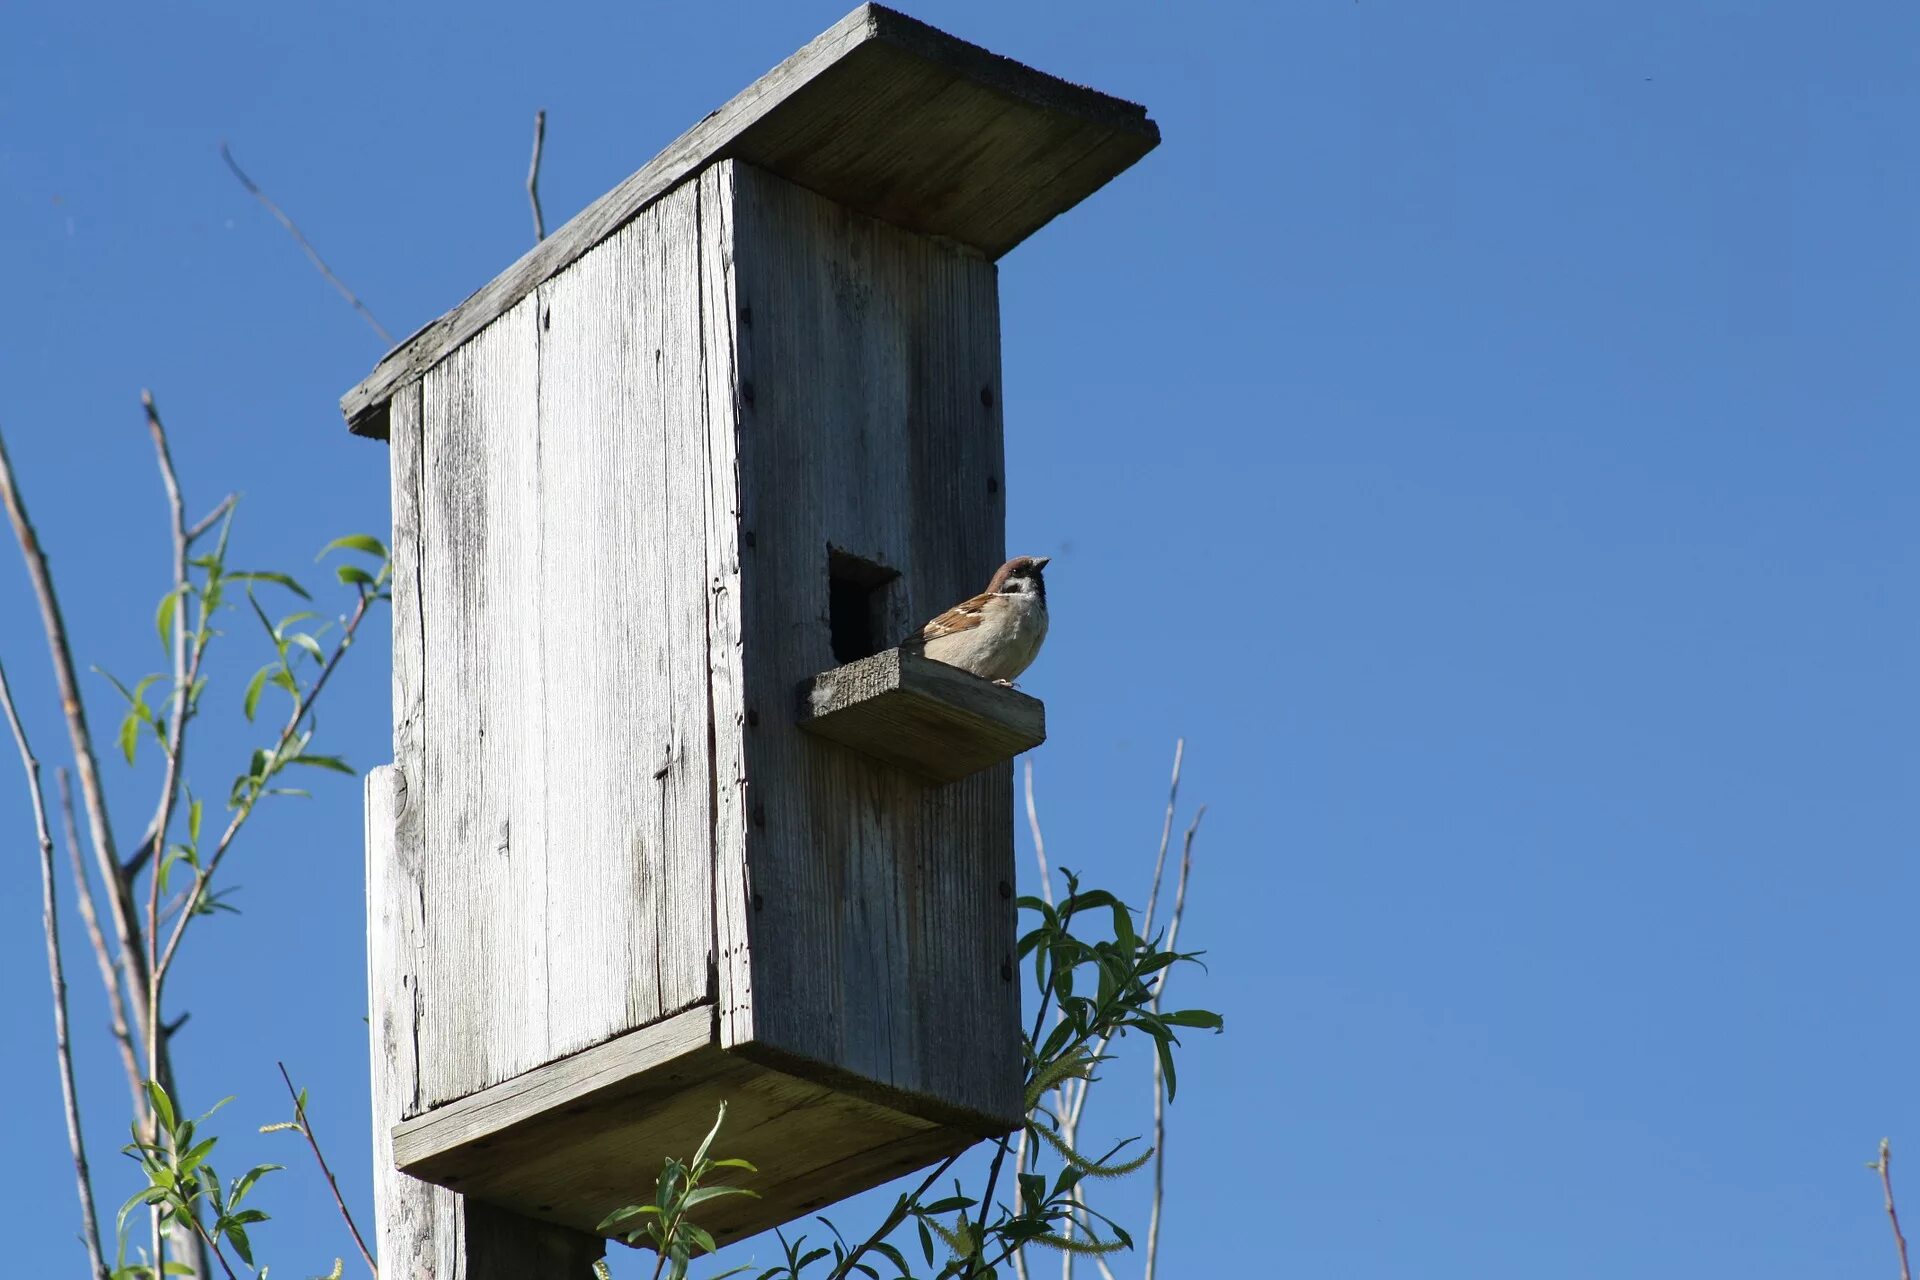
(355,542)
(241,1245)
(707,1142)
(308,643)
(163,617)
(1204,1019)
(244,1183)
(335,763)
(193,819)
(162,1105)
(353,575)
(278,579)
(252,689)
(704,1194)
(129,735)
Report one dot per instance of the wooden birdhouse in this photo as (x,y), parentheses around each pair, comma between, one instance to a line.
(670,820)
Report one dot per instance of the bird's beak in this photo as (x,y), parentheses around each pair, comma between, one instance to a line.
(1040,562)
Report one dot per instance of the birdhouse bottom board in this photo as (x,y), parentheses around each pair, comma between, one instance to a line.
(574,1140)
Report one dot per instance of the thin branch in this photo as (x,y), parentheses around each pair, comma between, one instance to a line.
(1039,841)
(301,709)
(533,174)
(126,925)
(306,1129)
(1885,1167)
(56,974)
(212,518)
(1159,1082)
(893,1219)
(183,680)
(299,236)
(90,916)
(1070,1126)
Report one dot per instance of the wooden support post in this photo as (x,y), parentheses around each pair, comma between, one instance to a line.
(424,1232)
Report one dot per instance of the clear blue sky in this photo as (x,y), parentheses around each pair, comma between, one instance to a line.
(1485,430)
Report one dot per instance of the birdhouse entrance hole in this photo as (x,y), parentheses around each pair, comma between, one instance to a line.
(857,597)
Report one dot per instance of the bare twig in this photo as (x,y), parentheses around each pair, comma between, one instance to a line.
(306,1130)
(299,236)
(183,681)
(126,925)
(1885,1167)
(205,873)
(1159,1082)
(1039,841)
(212,517)
(90,916)
(899,1215)
(533,174)
(56,974)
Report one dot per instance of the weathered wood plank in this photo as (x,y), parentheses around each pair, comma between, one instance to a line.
(623,480)
(483,1006)
(869,377)
(721,322)
(881,113)
(417,1225)
(428,1140)
(574,1140)
(933,720)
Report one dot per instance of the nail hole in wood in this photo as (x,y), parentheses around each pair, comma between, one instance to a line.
(986,397)
(993,484)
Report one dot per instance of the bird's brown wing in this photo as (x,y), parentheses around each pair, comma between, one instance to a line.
(964,616)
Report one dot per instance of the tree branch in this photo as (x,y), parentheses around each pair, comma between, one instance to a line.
(1885,1167)
(533,174)
(90,916)
(1159,1083)
(212,517)
(306,1130)
(313,255)
(183,679)
(126,925)
(50,922)
(205,874)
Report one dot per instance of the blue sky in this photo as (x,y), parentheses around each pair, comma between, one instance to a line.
(1483,429)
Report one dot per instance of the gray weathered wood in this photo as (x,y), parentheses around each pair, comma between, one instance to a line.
(576,1139)
(423,1231)
(883,114)
(483,987)
(935,721)
(622,478)
(867,367)
(732,894)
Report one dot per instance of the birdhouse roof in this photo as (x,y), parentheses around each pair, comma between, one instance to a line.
(881,113)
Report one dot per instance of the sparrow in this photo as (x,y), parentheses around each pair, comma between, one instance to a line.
(996,634)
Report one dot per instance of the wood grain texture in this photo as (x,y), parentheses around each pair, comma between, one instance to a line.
(732,894)
(880,920)
(622,467)
(574,1140)
(932,720)
(881,113)
(423,1231)
(483,988)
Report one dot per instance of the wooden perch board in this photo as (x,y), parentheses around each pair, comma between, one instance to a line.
(932,720)
(881,113)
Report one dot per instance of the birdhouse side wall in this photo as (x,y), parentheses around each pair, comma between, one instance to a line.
(551,666)
(865,919)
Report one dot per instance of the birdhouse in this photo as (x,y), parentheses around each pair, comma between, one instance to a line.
(674,823)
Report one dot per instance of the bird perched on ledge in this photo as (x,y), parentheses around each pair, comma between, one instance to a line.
(997,633)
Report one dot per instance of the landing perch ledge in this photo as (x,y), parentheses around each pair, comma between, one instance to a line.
(925,717)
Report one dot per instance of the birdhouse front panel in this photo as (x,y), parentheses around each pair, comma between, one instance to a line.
(873,929)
